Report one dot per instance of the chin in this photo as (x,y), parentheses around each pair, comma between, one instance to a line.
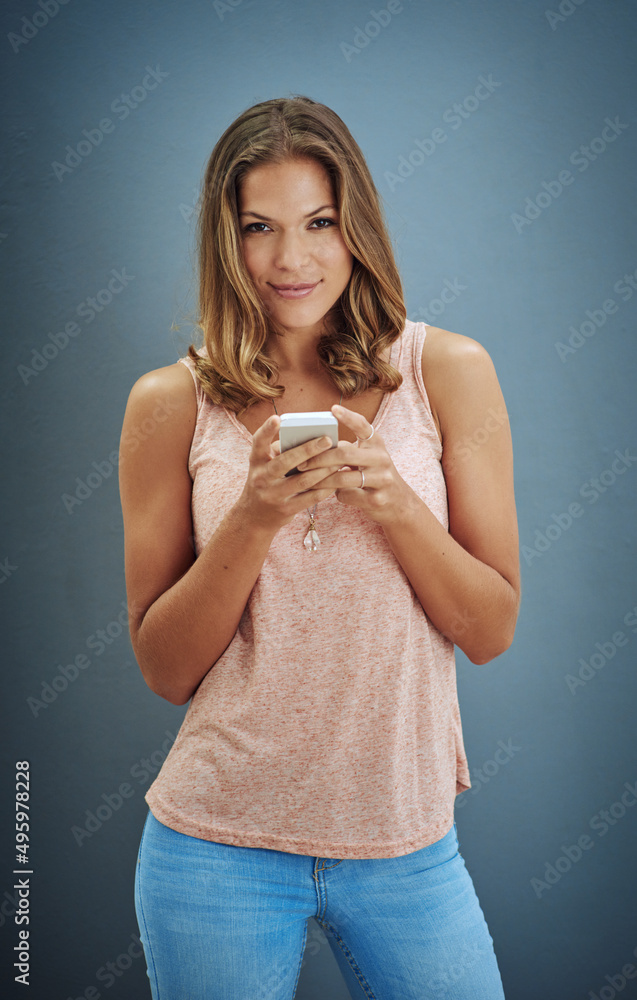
(294,314)
(300,322)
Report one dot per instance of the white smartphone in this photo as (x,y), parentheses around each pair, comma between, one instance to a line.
(297,428)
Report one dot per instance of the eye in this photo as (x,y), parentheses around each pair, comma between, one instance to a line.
(249,229)
(323,223)
(330,222)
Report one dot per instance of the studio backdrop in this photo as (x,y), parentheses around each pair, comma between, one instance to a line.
(501,137)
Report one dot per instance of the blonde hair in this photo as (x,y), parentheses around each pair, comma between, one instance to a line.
(369,315)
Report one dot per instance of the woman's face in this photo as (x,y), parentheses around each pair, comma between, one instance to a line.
(290,236)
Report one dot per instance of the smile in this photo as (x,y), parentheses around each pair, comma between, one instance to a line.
(294,291)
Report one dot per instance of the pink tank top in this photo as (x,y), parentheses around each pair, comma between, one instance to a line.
(330,726)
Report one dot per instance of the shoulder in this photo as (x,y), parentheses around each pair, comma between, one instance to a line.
(443,351)
(162,400)
(173,386)
(455,369)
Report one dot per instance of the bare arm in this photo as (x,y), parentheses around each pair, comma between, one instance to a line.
(183,611)
(467,579)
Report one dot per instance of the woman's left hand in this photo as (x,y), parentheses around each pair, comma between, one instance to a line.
(371,481)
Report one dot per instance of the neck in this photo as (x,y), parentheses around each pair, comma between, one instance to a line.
(294,350)
(295,354)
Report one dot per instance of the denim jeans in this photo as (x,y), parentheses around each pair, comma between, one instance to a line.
(221,922)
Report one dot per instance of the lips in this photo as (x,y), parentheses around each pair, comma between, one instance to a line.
(287,288)
(300,291)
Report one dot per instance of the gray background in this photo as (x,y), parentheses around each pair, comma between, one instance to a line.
(128,205)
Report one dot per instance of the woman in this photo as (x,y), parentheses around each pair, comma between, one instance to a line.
(317,766)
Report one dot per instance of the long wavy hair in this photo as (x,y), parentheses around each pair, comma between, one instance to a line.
(235,370)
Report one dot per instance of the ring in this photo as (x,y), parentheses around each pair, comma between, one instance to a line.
(370,436)
(362,485)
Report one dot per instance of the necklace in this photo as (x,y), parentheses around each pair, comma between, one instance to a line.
(312,542)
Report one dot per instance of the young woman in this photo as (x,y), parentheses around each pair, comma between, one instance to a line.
(317,766)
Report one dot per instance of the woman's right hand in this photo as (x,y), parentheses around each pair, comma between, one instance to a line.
(268,497)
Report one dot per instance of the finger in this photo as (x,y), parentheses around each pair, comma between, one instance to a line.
(345,480)
(355,421)
(347,453)
(308,499)
(303,483)
(264,436)
(353,498)
(292,457)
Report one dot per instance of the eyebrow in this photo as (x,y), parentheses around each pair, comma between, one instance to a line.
(266,219)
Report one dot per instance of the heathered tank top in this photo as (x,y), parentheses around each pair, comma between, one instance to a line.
(330,726)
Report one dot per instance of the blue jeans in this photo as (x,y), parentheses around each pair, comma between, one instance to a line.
(221,922)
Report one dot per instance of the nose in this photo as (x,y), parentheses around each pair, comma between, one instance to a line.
(292,252)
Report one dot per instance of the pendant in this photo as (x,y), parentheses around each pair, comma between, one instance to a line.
(312,542)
